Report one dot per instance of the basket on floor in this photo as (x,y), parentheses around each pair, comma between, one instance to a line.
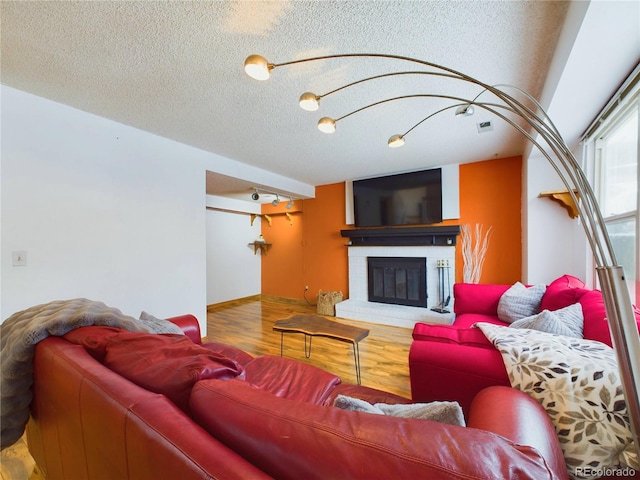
(327,302)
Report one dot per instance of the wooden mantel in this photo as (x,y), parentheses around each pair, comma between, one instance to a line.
(402,236)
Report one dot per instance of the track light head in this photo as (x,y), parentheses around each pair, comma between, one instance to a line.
(276,202)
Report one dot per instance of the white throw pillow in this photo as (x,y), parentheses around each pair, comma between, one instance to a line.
(568,321)
(520,302)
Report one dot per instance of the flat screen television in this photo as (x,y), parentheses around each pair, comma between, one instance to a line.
(413,198)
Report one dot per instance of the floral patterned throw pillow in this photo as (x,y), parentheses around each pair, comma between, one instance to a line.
(578,383)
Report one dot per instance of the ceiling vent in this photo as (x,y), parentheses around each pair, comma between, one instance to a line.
(485,126)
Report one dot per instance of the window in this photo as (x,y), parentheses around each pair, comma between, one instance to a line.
(617,147)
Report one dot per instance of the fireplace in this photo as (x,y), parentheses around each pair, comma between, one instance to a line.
(398,280)
(359,307)
(433,245)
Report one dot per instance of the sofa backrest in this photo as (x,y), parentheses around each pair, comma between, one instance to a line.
(479,298)
(291,440)
(167,364)
(89,422)
(567,290)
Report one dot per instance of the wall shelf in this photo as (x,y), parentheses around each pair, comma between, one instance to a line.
(563,197)
(266,216)
(261,247)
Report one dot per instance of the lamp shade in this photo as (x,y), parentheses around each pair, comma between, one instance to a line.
(396,141)
(256,66)
(327,125)
(464,110)
(309,101)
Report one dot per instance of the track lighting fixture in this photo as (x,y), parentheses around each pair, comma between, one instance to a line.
(256,196)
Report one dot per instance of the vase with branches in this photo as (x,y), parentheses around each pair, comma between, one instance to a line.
(475,242)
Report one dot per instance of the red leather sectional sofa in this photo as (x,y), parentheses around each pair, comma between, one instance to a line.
(455,362)
(112,404)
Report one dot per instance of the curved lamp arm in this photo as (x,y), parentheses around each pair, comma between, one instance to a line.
(545,137)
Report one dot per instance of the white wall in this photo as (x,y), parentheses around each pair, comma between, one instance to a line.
(550,235)
(599,47)
(233,271)
(104,211)
(112,213)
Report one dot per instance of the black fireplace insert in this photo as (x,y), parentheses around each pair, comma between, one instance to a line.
(398,280)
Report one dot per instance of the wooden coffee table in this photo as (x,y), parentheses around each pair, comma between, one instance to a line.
(316,326)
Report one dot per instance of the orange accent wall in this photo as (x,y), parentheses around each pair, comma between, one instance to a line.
(283,264)
(491,194)
(310,251)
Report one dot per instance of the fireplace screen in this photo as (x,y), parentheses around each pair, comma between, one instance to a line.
(398,280)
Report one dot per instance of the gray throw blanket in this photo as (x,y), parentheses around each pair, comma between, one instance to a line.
(19,335)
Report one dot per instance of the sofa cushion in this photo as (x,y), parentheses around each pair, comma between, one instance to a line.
(93,338)
(228,351)
(477,298)
(520,301)
(291,440)
(167,364)
(562,292)
(447,334)
(566,321)
(287,378)
(596,326)
(468,320)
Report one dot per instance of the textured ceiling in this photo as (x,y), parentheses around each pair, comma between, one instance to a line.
(175,69)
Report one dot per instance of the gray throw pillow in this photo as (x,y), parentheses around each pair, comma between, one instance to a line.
(442,412)
(154,324)
(568,321)
(520,302)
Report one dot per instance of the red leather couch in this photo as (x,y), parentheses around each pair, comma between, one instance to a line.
(455,362)
(208,410)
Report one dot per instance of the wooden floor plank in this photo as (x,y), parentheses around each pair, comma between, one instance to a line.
(248,324)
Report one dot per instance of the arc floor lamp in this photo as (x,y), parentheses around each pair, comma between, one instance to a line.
(540,130)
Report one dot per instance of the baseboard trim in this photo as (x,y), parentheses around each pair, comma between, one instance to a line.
(255,298)
(250,298)
(290,301)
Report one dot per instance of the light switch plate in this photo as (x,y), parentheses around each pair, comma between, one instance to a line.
(19,259)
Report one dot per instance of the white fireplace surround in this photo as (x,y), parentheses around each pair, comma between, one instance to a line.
(358,307)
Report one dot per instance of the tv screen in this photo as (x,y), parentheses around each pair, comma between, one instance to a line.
(413,198)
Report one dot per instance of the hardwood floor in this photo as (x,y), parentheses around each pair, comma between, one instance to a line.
(248,324)
(16,463)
